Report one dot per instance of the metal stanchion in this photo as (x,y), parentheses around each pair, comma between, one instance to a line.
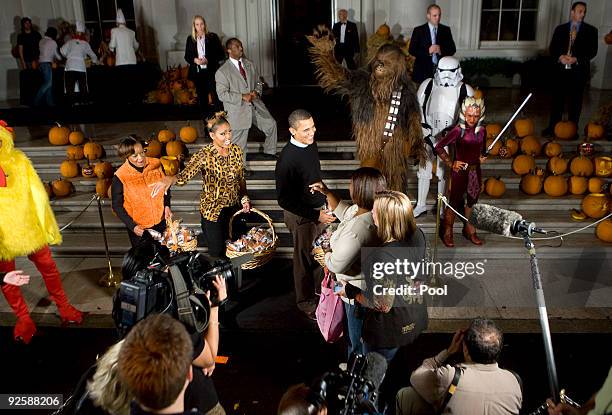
(112,278)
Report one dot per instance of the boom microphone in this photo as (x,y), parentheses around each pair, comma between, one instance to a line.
(375,369)
(501,221)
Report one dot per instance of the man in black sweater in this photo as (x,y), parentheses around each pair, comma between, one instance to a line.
(572,47)
(297,167)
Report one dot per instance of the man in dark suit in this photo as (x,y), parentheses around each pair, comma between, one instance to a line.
(347,40)
(429,43)
(572,47)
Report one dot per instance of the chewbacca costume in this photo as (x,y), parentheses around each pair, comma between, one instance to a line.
(27,227)
(369,91)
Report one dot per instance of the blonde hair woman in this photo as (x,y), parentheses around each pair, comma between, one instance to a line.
(105,390)
(203,52)
(391,321)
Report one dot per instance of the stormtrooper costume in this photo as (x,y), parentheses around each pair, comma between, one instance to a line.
(440,99)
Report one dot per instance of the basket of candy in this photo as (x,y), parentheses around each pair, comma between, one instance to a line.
(321,244)
(261,241)
(176,238)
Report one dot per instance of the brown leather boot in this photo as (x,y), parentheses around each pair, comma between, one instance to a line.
(469,232)
(446,231)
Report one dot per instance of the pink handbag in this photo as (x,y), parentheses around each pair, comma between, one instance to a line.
(330,311)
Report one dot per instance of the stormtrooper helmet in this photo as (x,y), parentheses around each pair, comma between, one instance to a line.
(448,73)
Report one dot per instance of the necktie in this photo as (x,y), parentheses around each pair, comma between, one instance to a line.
(434,35)
(242,71)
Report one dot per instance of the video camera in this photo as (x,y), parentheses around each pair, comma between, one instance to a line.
(173,284)
(352,391)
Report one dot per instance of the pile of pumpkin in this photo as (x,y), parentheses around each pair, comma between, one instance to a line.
(173,150)
(596,204)
(78,149)
(174,88)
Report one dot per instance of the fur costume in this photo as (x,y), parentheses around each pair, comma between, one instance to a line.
(369,93)
(27,227)
(27,222)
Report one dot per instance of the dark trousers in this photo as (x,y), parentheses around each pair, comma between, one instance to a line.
(70,80)
(216,232)
(307,273)
(205,84)
(45,92)
(568,89)
(341,52)
(135,239)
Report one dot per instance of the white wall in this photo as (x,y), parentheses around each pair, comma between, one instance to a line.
(163,26)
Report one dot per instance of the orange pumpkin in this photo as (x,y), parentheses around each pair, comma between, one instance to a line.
(512,145)
(604,230)
(153,148)
(552,149)
(495,150)
(555,186)
(495,187)
(110,60)
(581,166)
(603,166)
(75,153)
(523,164)
(577,185)
(188,134)
(557,165)
(595,205)
(532,183)
(76,138)
(596,185)
(524,127)
(165,136)
(531,145)
(58,135)
(174,148)
(165,97)
(69,168)
(493,130)
(565,130)
(61,187)
(92,150)
(103,170)
(88,171)
(594,131)
(184,71)
(102,187)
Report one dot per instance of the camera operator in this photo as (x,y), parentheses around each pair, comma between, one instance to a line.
(476,386)
(155,365)
(201,391)
(599,404)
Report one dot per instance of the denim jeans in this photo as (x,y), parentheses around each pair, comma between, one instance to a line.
(354,325)
(46,90)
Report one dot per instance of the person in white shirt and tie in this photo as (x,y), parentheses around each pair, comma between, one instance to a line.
(347,40)
(239,89)
(429,43)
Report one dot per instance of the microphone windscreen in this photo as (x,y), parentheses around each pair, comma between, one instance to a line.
(375,369)
(493,219)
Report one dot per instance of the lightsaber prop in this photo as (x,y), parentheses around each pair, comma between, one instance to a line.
(509,122)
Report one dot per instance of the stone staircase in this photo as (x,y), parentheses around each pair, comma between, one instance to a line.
(84,236)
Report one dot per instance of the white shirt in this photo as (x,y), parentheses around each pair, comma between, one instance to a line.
(75,51)
(48,50)
(434,37)
(123,43)
(235,63)
(297,143)
(342,31)
(201,45)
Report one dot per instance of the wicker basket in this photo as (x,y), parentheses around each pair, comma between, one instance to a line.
(261,257)
(319,255)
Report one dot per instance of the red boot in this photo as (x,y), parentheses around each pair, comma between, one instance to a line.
(469,232)
(446,232)
(48,269)
(25,327)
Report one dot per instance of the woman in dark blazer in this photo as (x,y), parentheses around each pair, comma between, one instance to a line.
(203,52)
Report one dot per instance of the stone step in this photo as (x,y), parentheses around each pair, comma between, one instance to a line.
(266,200)
(581,246)
(90,221)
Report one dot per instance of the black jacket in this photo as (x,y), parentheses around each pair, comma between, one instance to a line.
(585,46)
(214,53)
(351,36)
(419,48)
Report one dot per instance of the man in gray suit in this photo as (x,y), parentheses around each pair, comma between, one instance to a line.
(239,88)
